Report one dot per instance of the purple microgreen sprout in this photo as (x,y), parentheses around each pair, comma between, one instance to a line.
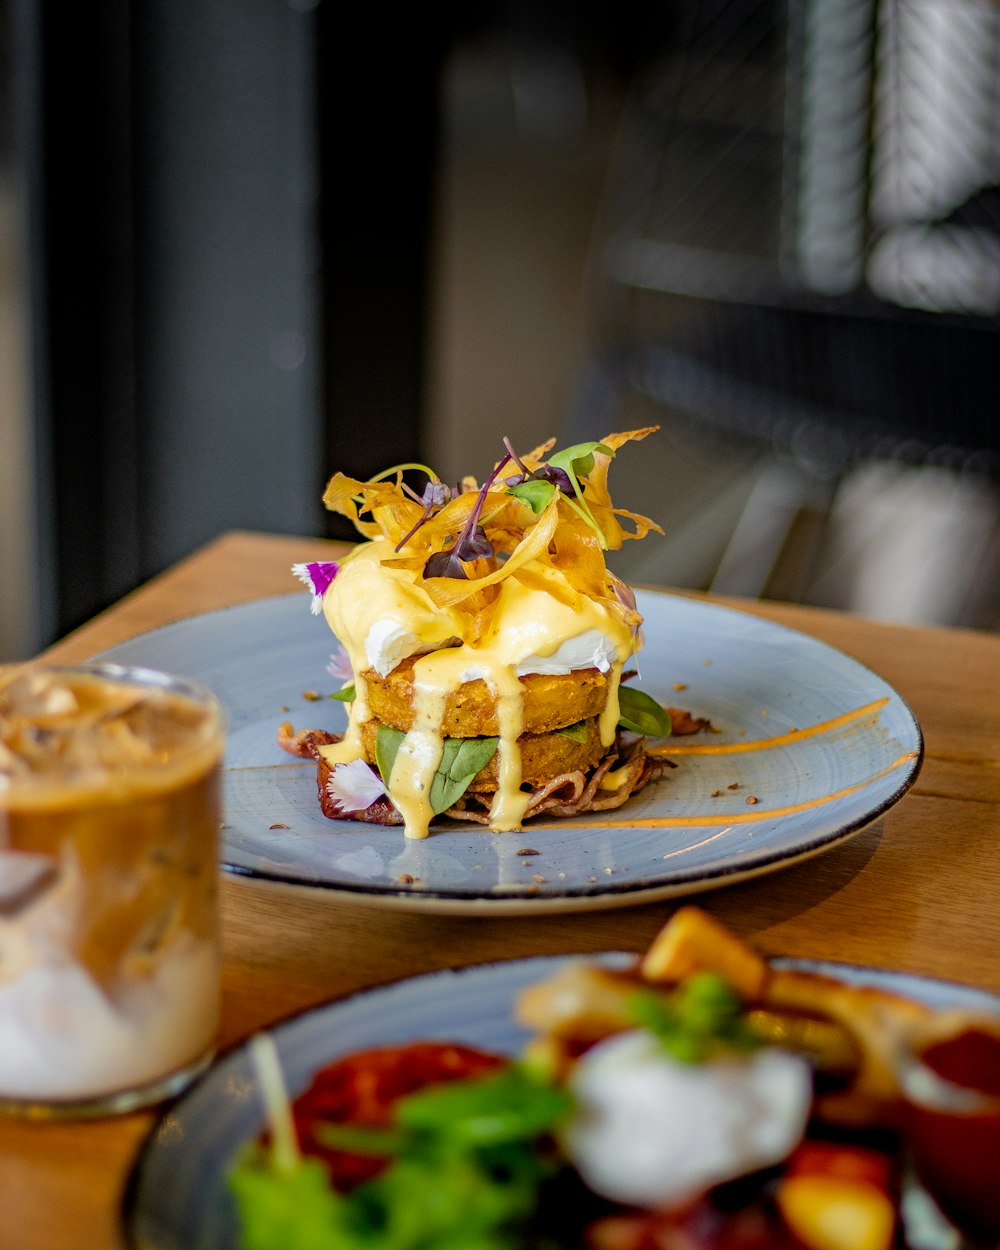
(472,543)
(559,479)
(317,577)
(436,495)
(354,786)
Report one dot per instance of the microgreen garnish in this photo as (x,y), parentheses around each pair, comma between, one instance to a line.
(702,1018)
(461,760)
(547,473)
(436,494)
(642,714)
(472,543)
(317,576)
(562,472)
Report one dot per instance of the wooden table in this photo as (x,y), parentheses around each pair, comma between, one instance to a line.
(917,891)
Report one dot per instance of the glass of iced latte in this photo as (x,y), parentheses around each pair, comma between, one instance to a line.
(109,828)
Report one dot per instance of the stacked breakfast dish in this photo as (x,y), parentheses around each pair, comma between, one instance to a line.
(485,644)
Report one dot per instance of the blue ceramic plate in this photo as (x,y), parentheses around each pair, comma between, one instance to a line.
(177,1197)
(812,746)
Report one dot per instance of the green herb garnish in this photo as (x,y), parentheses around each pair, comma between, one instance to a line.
(701,1018)
(465,1174)
(561,472)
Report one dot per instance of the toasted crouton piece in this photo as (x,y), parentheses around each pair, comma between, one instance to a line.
(692,941)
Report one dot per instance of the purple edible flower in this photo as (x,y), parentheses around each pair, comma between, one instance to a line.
(354,786)
(316,577)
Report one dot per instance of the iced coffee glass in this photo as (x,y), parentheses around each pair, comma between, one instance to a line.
(109,827)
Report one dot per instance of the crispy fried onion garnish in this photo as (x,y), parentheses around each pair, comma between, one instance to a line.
(569,794)
(572,794)
(522,541)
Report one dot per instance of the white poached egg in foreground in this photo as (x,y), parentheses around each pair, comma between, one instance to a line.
(653,1131)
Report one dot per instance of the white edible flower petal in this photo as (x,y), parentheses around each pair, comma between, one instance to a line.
(340,665)
(354,786)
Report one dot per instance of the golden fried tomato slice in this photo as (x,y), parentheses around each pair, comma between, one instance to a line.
(550,702)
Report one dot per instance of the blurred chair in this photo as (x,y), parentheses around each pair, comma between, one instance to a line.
(797,272)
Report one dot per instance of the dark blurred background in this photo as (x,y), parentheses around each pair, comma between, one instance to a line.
(247,242)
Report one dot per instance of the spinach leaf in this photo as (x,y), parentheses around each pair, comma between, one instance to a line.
(387,744)
(640,712)
(461,760)
(576,733)
(346,694)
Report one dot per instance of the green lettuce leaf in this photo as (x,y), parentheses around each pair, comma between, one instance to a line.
(465,1174)
(294,1209)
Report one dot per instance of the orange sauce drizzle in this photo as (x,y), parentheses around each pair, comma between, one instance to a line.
(745,818)
(760,744)
(739,818)
(767,744)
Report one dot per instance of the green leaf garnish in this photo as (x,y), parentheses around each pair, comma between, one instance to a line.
(512,1104)
(295,1209)
(465,1173)
(387,744)
(641,713)
(461,760)
(576,733)
(346,694)
(536,494)
(701,1018)
(561,472)
(577,461)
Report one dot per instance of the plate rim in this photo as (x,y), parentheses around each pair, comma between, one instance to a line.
(602,895)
